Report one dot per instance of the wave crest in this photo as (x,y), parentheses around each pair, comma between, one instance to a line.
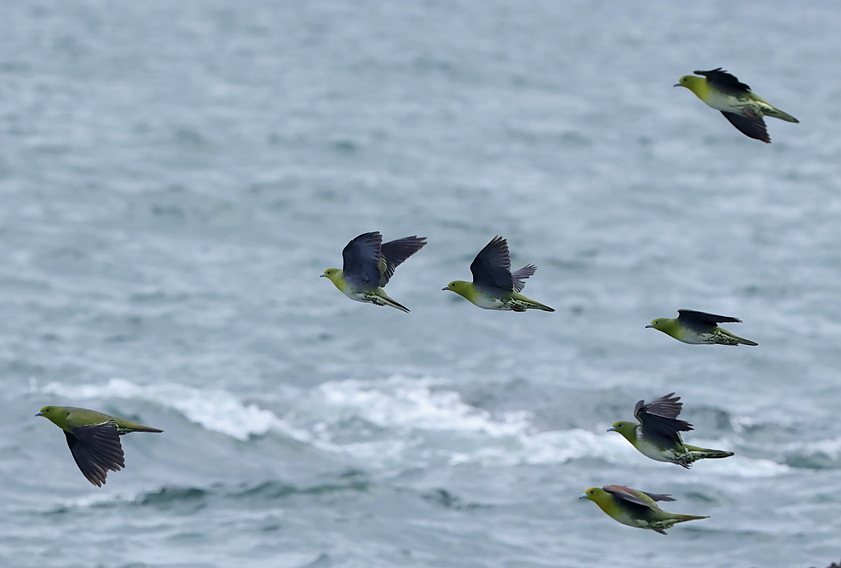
(214,410)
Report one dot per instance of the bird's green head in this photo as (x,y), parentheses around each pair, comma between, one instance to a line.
(697,85)
(593,494)
(333,274)
(627,429)
(55,414)
(660,323)
(460,287)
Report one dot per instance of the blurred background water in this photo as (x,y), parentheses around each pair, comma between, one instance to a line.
(176,175)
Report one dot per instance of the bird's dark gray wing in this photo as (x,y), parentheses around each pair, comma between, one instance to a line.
(626,495)
(723,81)
(659,496)
(395,252)
(96,450)
(658,420)
(667,406)
(492,267)
(751,126)
(522,274)
(361,257)
(702,322)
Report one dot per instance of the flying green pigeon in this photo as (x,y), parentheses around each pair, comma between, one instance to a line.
(657,435)
(493,286)
(635,508)
(94,438)
(699,328)
(744,109)
(368,264)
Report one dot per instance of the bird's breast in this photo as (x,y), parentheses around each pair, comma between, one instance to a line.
(726,102)
(649,450)
(693,337)
(489,303)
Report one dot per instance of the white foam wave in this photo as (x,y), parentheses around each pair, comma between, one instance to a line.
(99,500)
(416,403)
(214,410)
(829,447)
(427,421)
(411,422)
(557,446)
(741,466)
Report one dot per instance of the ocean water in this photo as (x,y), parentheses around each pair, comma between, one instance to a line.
(176,175)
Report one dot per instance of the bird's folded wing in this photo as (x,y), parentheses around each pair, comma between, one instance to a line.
(723,81)
(628,495)
(701,321)
(750,126)
(395,252)
(96,450)
(659,496)
(361,258)
(492,267)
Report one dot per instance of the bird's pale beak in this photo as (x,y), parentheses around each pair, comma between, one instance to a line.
(39,414)
(676,85)
(646,327)
(444,289)
(582,496)
(322,275)
(611,429)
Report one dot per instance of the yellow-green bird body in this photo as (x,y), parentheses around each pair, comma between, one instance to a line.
(93,438)
(743,108)
(376,296)
(512,301)
(636,508)
(657,434)
(368,265)
(699,328)
(494,286)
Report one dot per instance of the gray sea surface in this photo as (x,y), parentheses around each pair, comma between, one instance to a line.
(175,176)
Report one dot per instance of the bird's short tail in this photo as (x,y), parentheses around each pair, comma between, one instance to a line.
(124,427)
(539,306)
(147,429)
(678,518)
(529,304)
(703,453)
(382,300)
(777,113)
(520,303)
(731,339)
(670,519)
